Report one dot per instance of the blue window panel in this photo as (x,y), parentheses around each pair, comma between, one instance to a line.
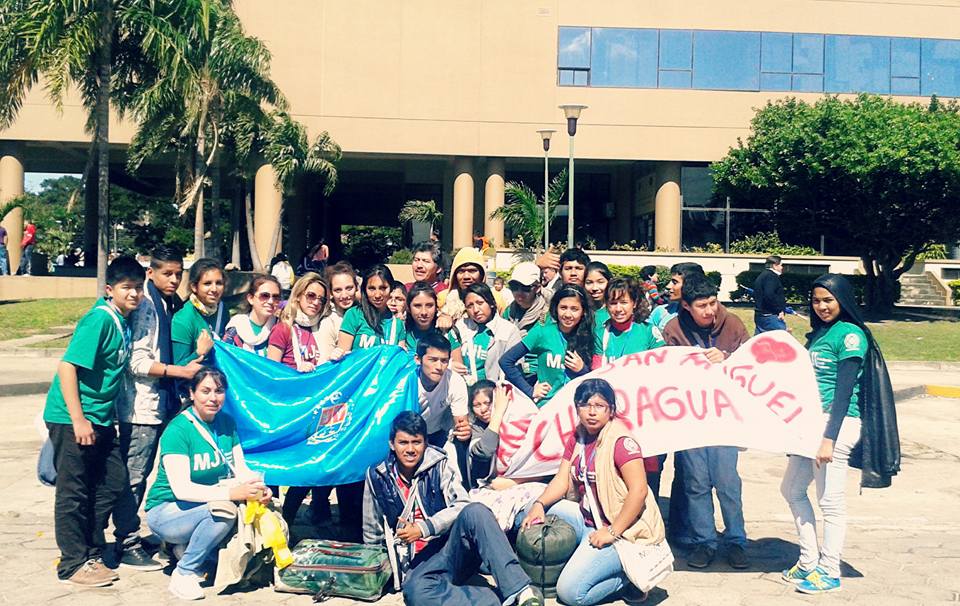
(574,47)
(624,57)
(857,64)
(581,78)
(565,77)
(726,60)
(676,48)
(941,68)
(808,53)
(674,79)
(905,57)
(775,81)
(905,86)
(776,52)
(808,83)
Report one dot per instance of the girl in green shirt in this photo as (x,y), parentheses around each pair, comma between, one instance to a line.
(371,323)
(564,347)
(596,280)
(203,317)
(626,330)
(421,313)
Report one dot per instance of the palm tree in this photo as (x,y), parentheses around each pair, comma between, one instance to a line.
(420,211)
(71,43)
(523,211)
(188,115)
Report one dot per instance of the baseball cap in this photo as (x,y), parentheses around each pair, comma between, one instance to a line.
(526,274)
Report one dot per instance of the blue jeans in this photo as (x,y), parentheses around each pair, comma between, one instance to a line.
(765,322)
(705,470)
(190,524)
(4,261)
(591,575)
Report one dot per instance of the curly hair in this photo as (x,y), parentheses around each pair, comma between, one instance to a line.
(619,287)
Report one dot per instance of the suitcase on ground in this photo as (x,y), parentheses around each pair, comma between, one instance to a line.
(332,568)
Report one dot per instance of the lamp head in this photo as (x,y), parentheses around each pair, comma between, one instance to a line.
(545,135)
(572,114)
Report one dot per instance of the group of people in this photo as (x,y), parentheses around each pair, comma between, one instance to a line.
(138,386)
(27,243)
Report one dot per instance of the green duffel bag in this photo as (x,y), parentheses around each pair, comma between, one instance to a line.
(543,551)
(332,568)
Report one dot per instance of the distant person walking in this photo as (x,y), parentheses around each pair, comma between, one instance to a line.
(26,244)
(4,258)
(315,259)
(769,298)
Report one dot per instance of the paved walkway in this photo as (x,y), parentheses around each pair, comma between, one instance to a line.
(903,545)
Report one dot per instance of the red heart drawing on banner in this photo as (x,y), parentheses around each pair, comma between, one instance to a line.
(767,349)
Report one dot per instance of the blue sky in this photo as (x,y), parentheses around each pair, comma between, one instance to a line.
(32,181)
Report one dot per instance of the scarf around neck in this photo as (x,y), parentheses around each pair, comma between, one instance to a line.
(243,324)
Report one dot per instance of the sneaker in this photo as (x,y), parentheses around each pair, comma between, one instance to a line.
(795,574)
(818,582)
(91,574)
(138,559)
(701,557)
(530,596)
(737,557)
(185,586)
(114,575)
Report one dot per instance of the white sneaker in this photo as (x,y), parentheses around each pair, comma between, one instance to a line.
(185,586)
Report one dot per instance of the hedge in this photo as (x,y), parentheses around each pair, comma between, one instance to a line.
(955,291)
(796,287)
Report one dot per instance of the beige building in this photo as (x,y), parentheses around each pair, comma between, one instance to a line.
(440,99)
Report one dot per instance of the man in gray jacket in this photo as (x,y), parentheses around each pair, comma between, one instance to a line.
(436,539)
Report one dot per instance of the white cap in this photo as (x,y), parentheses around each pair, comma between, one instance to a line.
(526,273)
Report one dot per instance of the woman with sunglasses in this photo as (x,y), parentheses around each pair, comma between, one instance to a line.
(294,339)
(251,330)
(371,323)
(564,347)
(605,465)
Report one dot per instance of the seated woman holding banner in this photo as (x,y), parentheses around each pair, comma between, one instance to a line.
(201,477)
(617,521)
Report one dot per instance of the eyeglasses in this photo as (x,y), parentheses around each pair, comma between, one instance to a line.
(312,296)
(265,296)
(521,287)
(594,407)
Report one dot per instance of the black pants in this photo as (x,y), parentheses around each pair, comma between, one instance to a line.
(475,540)
(89,481)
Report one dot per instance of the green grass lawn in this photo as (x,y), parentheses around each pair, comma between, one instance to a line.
(920,340)
(26,318)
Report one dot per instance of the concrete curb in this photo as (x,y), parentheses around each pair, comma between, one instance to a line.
(10,390)
(907,365)
(34,352)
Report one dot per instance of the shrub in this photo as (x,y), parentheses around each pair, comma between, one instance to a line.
(404,256)
(366,245)
(955,291)
(768,243)
(796,287)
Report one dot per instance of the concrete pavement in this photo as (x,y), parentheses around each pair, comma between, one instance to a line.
(903,543)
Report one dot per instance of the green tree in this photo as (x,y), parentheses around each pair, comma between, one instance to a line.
(880,177)
(104,48)
(522,213)
(420,211)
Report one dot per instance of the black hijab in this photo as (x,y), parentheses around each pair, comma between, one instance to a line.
(877,454)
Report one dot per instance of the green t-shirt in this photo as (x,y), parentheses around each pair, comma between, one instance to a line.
(186,326)
(600,316)
(842,341)
(474,353)
(364,336)
(413,337)
(637,338)
(100,349)
(550,346)
(207,466)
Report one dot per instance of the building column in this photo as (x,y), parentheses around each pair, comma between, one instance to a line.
(667,214)
(11,187)
(462,203)
(268,202)
(623,205)
(492,200)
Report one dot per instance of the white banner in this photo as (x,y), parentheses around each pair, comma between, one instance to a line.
(763,396)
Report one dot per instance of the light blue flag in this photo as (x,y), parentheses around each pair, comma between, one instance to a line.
(321,428)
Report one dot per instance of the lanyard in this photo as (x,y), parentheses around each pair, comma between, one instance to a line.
(393,331)
(473,352)
(124,329)
(208,438)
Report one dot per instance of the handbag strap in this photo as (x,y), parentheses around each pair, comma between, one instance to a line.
(205,434)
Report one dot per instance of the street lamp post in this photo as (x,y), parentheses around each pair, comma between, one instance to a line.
(545,135)
(572,114)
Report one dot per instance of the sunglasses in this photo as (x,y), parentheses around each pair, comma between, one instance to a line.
(312,296)
(265,296)
(520,287)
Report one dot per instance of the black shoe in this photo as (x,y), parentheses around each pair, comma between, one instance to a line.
(137,558)
(631,595)
(737,557)
(701,557)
